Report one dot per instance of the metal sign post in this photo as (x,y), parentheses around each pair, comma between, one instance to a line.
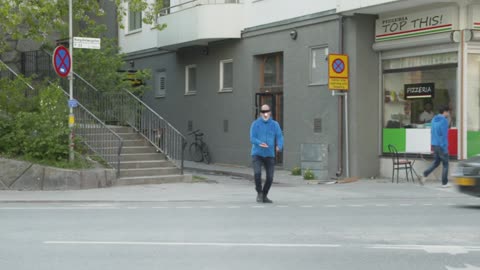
(71,116)
(339,84)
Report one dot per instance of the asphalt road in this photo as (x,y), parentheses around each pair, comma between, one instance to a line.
(363,225)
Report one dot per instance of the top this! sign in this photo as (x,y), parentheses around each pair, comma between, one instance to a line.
(416,24)
(86,43)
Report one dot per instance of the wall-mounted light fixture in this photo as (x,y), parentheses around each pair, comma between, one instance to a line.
(293,34)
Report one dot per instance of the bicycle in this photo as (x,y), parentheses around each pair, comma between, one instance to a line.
(198,149)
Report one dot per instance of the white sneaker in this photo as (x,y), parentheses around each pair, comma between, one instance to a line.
(446,185)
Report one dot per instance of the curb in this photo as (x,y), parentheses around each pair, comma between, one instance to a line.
(218,172)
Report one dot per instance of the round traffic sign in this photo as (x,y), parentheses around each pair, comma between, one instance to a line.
(338,65)
(61,61)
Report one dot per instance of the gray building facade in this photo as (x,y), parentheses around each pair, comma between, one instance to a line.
(285,65)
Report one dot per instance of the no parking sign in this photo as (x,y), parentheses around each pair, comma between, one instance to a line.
(62,62)
(338,72)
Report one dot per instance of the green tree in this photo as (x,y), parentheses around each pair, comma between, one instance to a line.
(45,21)
(40,20)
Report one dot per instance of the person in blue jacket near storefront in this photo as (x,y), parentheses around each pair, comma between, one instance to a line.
(439,131)
(266,138)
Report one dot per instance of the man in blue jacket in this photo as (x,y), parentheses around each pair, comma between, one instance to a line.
(439,143)
(266,138)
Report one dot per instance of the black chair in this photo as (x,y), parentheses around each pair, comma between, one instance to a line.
(400,163)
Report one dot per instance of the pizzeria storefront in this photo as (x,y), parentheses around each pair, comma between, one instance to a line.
(430,57)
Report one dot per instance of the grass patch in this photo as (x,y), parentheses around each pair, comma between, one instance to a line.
(308,175)
(297,171)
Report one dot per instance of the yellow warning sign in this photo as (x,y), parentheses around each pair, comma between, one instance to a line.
(71,120)
(338,83)
(338,72)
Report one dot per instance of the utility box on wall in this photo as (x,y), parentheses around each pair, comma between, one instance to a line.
(314,156)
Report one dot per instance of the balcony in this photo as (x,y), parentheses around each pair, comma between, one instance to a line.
(199,22)
(189,23)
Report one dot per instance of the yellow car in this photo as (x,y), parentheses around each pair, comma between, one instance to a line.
(467,176)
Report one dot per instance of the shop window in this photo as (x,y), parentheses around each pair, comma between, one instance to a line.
(473,105)
(414,89)
(160,84)
(319,65)
(190,79)
(226,75)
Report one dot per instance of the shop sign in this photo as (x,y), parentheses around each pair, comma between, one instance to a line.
(419,90)
(416,24)
(338,72)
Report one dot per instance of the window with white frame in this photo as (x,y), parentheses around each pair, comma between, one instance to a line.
(190,79)
(160,83)
(226,75)
(134,20)
(319,65)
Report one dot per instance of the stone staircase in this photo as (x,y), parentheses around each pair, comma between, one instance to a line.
(142,164)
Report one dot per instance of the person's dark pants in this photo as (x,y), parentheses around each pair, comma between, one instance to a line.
(269,164)
(440,156)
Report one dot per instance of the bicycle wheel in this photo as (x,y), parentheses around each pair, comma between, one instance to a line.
(196,152)
(206,154)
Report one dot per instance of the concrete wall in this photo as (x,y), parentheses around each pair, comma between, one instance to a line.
(20,175)
(364,95)
(208,108)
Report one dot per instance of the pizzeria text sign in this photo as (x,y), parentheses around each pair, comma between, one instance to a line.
(416,24)
(419,90)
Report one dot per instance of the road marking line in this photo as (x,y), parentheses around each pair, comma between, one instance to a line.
(453,250)
(132,207)
(306,206)
(183,207)
(208,207)
(282,206)
(428,204)
(356,205)
(128,243)
(233,207)
(258,206)
(58,208)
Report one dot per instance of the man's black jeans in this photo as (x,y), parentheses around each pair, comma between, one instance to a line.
(269,164)
(440,156)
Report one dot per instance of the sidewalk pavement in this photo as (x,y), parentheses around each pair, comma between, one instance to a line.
(280,176)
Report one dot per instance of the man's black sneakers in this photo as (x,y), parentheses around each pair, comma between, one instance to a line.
(260,197)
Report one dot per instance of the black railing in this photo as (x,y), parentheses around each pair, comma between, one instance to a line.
(117,108)
(95,134)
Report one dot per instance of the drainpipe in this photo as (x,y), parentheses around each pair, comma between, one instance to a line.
(340,112)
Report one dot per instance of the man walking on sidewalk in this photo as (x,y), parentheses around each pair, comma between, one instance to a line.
(265,133)
(439,143)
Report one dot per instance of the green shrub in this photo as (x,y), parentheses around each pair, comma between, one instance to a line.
(308,175)
(297,171)
(40,134)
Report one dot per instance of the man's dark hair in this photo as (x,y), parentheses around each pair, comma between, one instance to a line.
(443,108)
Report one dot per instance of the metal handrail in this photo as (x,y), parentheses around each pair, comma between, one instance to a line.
(124,108)
(155,129)
(16,75)
(97,136)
